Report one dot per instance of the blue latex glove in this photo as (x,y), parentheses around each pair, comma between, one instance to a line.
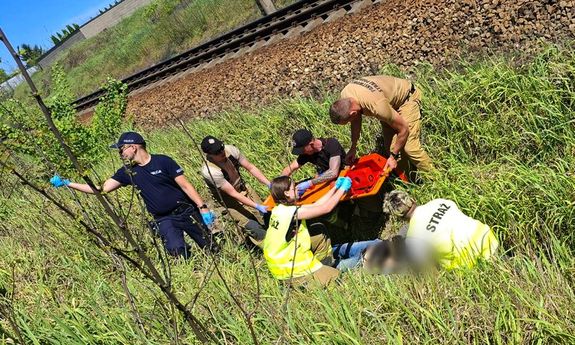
(339,181)
(302,187)
(345,185)
(57,181)
(261,208)
(208,218)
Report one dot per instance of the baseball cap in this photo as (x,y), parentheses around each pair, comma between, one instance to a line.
(128,138)
(211,145)
(300,139)
(397,203)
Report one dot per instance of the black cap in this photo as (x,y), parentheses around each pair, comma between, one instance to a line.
(128,138)
(300,139)
(212,145)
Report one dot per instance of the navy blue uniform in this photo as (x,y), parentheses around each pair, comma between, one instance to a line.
(166,201)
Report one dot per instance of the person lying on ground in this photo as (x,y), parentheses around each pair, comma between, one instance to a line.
(169,197)
(222,171)
(438,233)
(292,255)
(326,154)
(396,103)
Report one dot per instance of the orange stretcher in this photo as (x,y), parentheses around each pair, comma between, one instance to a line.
(367,176)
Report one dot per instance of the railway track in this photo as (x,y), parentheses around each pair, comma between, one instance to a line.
(303,15)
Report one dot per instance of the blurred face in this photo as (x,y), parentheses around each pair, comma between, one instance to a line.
(127,152)
(389,266)
(291,194)
(379,259)
(309,148)
(218,157)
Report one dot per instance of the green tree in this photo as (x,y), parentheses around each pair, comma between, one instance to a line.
(3,74)
(67,31)
(30,54)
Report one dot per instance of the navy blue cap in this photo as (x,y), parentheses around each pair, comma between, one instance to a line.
(128,138)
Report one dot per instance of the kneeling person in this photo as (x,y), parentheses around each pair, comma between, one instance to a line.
(289,250)
(439,230)
(169,197)
(326,154)
(222,172)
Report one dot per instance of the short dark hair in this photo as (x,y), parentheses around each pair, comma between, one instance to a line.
(279,186)
(339,110)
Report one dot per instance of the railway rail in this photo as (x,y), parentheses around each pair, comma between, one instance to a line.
(299,14)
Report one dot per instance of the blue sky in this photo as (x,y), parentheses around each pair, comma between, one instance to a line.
(33,21)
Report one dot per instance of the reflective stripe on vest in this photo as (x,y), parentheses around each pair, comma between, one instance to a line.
(279,254)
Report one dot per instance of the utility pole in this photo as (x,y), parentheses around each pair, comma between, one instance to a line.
(266,6)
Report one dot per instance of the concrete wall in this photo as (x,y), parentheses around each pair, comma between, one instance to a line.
(10,84)
(53,53)
(111,17)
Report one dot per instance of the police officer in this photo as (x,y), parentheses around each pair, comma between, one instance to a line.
(167,193)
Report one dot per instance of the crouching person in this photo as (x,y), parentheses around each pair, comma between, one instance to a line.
(439,233)
(222,172)
(290,252)
(170,198)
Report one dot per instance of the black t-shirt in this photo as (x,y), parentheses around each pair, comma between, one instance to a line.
(331,148)
(156,183)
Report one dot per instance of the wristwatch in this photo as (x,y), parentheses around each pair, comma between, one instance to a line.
(203,206)
(394,155)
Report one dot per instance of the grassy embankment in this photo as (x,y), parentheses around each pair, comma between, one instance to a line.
(153,33)
(503,139)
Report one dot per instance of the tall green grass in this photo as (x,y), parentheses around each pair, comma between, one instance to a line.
(503,138)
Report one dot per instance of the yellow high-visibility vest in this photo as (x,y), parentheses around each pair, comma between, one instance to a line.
(457,240)
(283,259)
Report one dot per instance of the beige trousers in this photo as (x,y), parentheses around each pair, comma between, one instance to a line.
(412,152)
(243,214)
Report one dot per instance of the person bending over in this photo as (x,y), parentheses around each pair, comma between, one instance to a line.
(438,233)
(396,103)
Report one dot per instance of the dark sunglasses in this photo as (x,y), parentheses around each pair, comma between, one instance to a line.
(123,148)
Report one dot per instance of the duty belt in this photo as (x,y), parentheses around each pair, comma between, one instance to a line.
(177,211)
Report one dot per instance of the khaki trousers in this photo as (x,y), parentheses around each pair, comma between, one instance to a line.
(412,152)
(244,215)
(321,248)
(324,276)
